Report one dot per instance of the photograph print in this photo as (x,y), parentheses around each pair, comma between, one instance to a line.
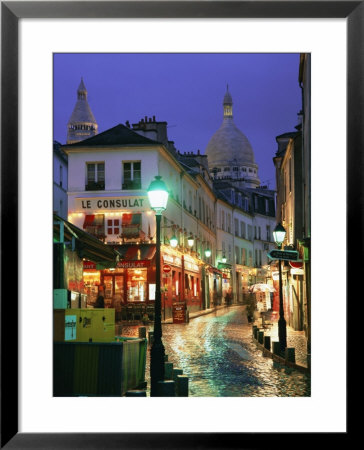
(181,225)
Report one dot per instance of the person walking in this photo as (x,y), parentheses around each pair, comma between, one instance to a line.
(100,302)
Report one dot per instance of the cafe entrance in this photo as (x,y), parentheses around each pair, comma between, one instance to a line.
(136,285)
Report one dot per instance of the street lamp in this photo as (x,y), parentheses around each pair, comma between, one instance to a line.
(190,241)
(173,241)
(158,198)
(207,253)
(279,234)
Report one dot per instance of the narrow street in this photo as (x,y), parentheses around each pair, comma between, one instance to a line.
(206,349)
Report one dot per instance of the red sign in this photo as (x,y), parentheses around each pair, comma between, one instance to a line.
(133,264)
(89,265)
(296,265)
(166,268)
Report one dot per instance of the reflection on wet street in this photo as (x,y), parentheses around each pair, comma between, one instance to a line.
(217,353)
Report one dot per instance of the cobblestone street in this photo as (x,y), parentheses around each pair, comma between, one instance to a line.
(218,354)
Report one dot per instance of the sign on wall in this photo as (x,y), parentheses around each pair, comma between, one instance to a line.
(135,203)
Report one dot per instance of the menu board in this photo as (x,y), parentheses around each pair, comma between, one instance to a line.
(179,312)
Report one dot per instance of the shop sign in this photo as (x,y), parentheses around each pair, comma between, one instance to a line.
(191,266)
(179,312)
(174,260)
(275,276)
(221,265)
(89,265)
(168,258)
(135,203)
(133,264)
(297,272)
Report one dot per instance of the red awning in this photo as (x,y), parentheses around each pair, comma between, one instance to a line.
(130,225)
(89,220)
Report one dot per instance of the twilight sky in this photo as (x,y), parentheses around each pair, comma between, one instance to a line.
(185,90)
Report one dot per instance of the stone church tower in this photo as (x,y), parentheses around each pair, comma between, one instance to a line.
(82,123)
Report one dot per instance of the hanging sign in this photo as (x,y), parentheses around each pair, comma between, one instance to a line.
(285,255)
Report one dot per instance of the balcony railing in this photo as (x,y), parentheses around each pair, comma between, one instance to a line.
(132,185)
(95,186)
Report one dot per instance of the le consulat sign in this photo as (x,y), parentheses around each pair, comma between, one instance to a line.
(135,203)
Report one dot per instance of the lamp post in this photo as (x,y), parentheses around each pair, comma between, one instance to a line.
(279,234)
(158,198)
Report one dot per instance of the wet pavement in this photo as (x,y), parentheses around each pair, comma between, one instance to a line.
(219,356)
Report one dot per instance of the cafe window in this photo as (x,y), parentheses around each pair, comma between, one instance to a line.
(132,175)
(137,285)
(113,226)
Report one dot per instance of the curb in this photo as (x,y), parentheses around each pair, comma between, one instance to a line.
(281,360)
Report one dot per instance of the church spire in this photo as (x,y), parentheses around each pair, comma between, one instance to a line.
(82,123)
(228,104)
(82,91)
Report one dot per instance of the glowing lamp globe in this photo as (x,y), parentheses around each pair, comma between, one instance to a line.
(279,234)
(190,241)
(158,195)
(173,241)
(207,253)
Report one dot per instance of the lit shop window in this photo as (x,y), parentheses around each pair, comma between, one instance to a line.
(113,226)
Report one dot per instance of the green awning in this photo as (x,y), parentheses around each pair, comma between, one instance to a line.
(86,245)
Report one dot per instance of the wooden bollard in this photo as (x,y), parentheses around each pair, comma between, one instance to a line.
(260,336)
(255,332)
(290,354)
(182,386)
(168,371)
(135,393)
(150,338)
(166,388)
(267,342)
(142,332)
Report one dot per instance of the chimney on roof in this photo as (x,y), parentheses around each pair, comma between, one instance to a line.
(198,151)
(153,118)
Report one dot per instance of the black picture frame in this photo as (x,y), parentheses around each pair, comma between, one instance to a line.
(11,12)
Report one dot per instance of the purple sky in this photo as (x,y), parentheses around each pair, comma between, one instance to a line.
(185,90)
